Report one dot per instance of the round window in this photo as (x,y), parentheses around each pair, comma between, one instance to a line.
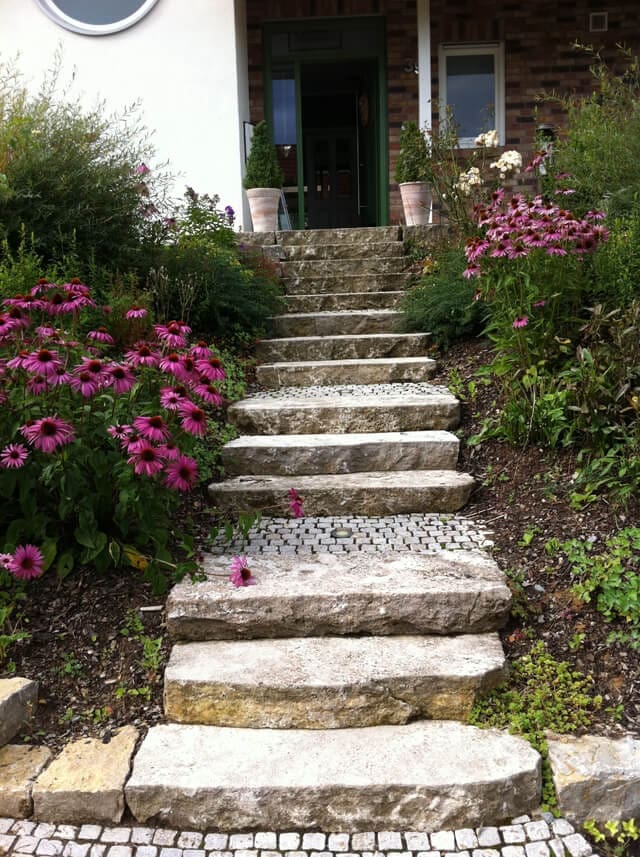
(96,17)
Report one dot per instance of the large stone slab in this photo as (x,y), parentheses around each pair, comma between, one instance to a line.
(334,283)
(339,322)
(338,267)
(360,236)
(356,300)
(86,781)
(300,454)
(345,413)
(596,777)
(330,682)
(338,594)
(327,373)
(378,493)
(344,250)
(18,698)
(419,776)
(20,764)
(342,347)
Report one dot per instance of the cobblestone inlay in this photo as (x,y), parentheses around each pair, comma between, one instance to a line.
(524,837)
(364,391)
(423,533)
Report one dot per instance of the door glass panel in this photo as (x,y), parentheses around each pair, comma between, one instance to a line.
(471,86)
(344,167)
(322,169)
(284,130)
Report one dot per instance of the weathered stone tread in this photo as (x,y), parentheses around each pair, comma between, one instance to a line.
(342,346)
(330,682)
(418,776)
(380,370)
(355,300)
(332,323)
(338,594)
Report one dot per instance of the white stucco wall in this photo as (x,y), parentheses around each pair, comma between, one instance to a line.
(185,62)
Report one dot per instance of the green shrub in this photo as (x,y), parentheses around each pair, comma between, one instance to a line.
(263,169)
(73,178)
(442,302)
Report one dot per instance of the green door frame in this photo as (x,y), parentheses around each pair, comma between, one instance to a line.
(298,58)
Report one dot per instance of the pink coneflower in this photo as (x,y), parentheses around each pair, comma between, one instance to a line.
(189,371)
(46,332)
(107,310)
(142,355)
(181,474)
(44,362)
(5,560)
(211,368)
(240,572)
(43,285)
(295,503)
(48,433)
(471,271)
(146,459)
(101,335)
(17,362)
(18,317)
(119,432)
(172,363)
(171,398)
(136,312)
(523,321)
(173,334)
(14,455)
(142,169)
(38,385)
(25,302)
(209,393)
(538,304)
(120,378)
(27,562)
(201,351)
(61,377)
(7,326)
(193,419)
(169,451)
(152,428)
(556,251)
(85,383)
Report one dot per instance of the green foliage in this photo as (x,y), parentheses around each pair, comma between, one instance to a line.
(262,169)
(616,266)
(412,164)
(442,301)
(610,578)
(72,177)
(542,694)
(613,837)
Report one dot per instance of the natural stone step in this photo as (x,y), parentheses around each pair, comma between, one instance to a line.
(419,776)
(341,267)
(18,701)
(336,410)
(380,370)
(348,347)
(298,454)
(360,236)
(334,283)
(374,493)
(460,592)
(379,249)
(356,300)
(330,682)
(335,323)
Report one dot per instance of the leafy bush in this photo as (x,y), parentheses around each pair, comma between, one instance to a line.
(443,301)
(412,164)
(72,177)
(263,169)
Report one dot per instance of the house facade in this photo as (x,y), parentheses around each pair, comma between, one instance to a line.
(335,80)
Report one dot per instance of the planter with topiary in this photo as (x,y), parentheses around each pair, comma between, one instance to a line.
(263,181)
(412,174)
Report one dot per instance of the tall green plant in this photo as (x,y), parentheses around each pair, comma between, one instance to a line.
(413,160)
(263,169)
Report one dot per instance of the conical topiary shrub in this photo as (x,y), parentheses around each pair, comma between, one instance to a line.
(263,180)
(412,174)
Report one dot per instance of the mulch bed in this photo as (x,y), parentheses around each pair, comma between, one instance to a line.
(88,658)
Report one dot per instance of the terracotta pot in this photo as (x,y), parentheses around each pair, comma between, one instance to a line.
(416,201)
(263,203)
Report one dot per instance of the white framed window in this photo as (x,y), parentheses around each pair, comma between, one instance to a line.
(471,88)
(96,17)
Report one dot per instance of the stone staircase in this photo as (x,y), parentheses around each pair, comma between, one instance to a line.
(333,693)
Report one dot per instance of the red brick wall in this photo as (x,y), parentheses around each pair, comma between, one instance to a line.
(536,35)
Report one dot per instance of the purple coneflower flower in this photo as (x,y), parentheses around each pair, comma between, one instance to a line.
(27,562)
(13,456)
(211,368)
(523,321)
(142,355)
(146,459)
(240,572)
(142,169)
(48,433)
(136,312)
(120,378)
(295,503)
(43,362)
(181,473)
(101,335)
(201,351)
(171,398)
(152,428)
(193,419)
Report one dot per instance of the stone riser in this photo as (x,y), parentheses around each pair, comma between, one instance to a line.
(344,267)
(342,347)
(343,594)
(327,373)
(345,301)
(333,453)
(337,323)
(347,283)
(419,776)
(252,417)
(330,682)
(317,237)
(315,252)
(372,494)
